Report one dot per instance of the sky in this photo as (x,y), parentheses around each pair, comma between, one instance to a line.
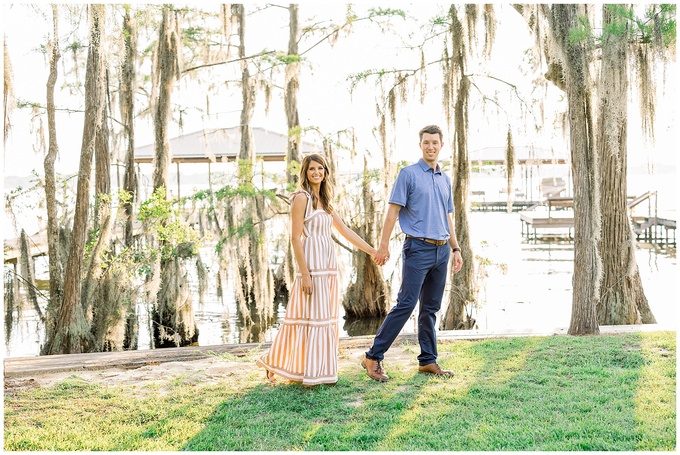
(324,96)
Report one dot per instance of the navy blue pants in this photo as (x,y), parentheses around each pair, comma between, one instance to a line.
(423,279)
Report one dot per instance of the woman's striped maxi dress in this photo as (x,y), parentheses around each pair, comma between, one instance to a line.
(306,347)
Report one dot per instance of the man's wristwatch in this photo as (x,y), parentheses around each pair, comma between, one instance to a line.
(453,250)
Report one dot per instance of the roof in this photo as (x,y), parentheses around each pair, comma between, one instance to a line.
(223,144)
(523,155)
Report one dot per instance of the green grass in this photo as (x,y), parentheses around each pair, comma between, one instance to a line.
(614,392)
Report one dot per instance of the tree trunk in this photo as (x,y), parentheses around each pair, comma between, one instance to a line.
(9,103)
(27,274)
(293,149)
(168,72)
(369,295)
(510,168)
(127,110)
(54,249)
(247,151)
(584,164)
(621,288)
(464,289)
(290,96)
(102,157)
(71,332)
(172,314)
(11,301)
(255,290)
(103,221)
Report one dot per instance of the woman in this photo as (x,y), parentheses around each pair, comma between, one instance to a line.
(306,347)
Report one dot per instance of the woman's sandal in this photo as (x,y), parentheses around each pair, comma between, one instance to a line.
(269,376)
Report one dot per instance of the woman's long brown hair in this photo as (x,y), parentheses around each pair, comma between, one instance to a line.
(326,189)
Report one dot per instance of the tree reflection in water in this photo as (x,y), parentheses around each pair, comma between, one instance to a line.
(360,327)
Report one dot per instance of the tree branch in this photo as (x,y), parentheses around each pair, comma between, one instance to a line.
(207,65)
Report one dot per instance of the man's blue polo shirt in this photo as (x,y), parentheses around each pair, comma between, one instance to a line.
(426,198)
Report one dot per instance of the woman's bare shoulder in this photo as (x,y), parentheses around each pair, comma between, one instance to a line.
(294,196)
(299,202)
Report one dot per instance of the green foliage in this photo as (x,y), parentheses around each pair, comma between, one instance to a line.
(372,175)
(245,172)
(582,32)
(193,34)
(124,197)
(295,131)
(75,46)
(91,242)
(661,18)
(228,192)
(159,216)
(386,12)
(356,78)
(402,164)
(287,58)
(658,21)
(247,228)
(293,168)
(278,57)
(441,21)
(618,25)
(23,104)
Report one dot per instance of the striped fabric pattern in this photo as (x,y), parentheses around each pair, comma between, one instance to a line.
(306,347)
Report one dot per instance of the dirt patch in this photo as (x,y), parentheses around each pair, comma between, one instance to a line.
(209,370)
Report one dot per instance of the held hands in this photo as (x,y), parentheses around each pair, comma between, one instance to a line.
(381,255)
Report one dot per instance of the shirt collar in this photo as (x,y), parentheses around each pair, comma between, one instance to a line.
(426,167)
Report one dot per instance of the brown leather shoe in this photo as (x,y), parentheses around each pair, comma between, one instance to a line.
(374,370)
(433,368)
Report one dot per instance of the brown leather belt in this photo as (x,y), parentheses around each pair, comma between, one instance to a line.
(432,241)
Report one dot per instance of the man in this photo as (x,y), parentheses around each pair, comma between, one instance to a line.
(423,202)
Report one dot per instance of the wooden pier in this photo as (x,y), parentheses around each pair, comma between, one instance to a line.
(647,229)
(560,214)
(501,206)
(654,229)
(37,246)
(544,219)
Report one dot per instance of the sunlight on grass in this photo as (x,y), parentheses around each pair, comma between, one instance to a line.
(466,365)
(493,364)
(656,392)
(515,394)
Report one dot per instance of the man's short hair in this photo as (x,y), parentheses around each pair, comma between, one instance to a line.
(431,129)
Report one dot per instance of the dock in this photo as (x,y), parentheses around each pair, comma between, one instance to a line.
(654,229)
(647,229)
(559,214)
(501,206)
(37,246)
(532,220)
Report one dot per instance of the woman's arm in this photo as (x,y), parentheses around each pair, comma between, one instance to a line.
(352,236)
(297,214)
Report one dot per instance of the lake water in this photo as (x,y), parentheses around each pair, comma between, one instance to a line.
(528,286)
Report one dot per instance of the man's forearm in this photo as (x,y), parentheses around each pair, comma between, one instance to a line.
(388,225)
